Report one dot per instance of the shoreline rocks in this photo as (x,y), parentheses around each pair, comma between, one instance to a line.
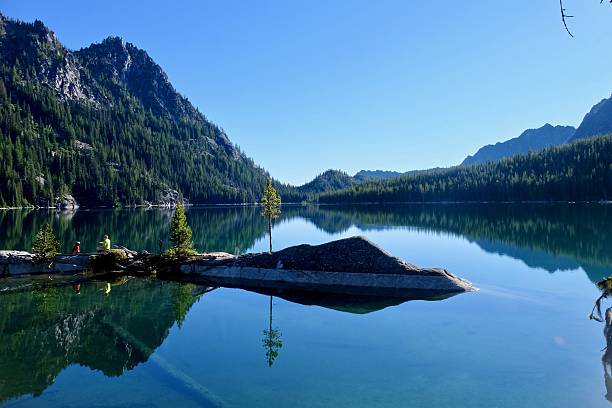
(352,266)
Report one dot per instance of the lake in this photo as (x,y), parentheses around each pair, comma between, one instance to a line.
(523,340)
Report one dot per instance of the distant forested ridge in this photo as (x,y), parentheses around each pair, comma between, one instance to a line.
(581,171)
(105,125)
(370,175)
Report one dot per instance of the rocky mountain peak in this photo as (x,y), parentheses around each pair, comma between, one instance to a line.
(597,122)
(529,140)
(36,54)
(131,68)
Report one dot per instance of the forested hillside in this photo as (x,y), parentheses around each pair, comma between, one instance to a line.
(581,171)
(105,125)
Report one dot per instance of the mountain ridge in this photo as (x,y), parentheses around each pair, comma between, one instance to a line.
(598,121)
(528,140)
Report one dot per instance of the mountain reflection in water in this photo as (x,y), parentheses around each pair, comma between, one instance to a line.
(114,326)
(46,330)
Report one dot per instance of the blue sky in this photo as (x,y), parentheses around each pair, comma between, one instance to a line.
(304,86)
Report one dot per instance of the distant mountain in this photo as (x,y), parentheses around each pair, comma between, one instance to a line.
(529,140)
(597,122)
(330,180)
(106,125)
(369,175)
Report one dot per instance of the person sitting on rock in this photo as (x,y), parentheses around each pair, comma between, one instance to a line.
(105,244)
(76,248)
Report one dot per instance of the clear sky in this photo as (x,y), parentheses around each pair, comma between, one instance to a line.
(304,86)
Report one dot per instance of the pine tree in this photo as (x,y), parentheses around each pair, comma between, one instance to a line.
(270,206)
(45,244)
(180,233)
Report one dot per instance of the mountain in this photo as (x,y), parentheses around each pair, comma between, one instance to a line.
(597,122)
(105,125)
(529,140)
(329,180)
(369,175)
(569,172)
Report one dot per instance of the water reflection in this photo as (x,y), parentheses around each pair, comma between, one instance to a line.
(350,303)
(271,339)
(548,236)
(113,326)
(48,329)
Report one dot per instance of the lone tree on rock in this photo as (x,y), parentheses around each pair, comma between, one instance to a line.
(180,233)
(270,206)
(45,244)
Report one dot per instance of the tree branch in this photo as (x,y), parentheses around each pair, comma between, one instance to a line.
(564,16)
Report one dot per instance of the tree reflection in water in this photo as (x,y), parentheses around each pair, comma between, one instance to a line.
(48,329)
(271,339)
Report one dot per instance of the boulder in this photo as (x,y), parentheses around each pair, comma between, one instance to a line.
(22,263)
(67,202)
(347,266)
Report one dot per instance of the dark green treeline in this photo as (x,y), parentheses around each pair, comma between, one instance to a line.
(581,171)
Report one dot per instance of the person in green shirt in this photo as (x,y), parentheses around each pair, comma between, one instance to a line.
(106,244)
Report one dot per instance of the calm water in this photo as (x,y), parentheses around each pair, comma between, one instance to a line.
(523,340)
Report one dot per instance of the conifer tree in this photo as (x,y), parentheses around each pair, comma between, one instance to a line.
(270,206)
(180,233)
(45,244)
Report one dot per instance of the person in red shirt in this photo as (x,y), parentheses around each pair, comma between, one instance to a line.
(76,248)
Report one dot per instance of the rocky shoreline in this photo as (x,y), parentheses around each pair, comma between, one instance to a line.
(351,265)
